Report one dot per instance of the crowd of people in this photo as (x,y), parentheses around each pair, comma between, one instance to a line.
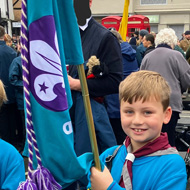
(12,128)
(135,90)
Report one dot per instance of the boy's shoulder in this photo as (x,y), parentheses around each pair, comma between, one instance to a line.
(8,151)
(172,163)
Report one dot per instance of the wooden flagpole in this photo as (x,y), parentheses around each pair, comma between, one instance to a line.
(89,117)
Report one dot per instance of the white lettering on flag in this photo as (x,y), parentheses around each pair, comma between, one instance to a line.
(67,128)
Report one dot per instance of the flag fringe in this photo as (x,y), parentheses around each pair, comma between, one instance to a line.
(44,179)
(27,185)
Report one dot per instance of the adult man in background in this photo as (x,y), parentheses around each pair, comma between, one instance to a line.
(185,43)
(148,43)
(8,110)
(100,42)
(141,49)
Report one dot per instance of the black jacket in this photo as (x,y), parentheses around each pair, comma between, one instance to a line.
(149,49)
(7,54)
(97,40)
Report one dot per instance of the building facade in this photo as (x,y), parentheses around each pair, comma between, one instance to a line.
(16,24)
(161,13)
(6,15)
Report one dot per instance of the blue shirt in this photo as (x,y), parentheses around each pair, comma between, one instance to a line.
(12,170)
(165,172)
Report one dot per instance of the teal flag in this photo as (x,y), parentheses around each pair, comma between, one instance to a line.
(54,42)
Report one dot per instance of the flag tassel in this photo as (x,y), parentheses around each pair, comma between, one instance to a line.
(27,185)
(44,179)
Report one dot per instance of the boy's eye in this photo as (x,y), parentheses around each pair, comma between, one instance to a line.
(147,112)
(129,111)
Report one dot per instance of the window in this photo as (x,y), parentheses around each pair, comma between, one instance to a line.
(153,2)
(179,29)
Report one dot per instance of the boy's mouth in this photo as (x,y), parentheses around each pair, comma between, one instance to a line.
(139,130)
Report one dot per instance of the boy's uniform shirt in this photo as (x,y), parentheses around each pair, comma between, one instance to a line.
(12,170)
(149,172)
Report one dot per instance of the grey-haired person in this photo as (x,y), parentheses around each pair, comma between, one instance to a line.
(174,68)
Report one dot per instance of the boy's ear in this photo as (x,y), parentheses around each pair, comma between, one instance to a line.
(168,114)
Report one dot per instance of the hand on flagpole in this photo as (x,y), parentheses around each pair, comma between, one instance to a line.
(74,83)
(100,180)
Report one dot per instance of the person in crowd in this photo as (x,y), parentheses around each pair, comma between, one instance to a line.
(14,37)
(136,35)
(177,48)
(112,101)
(133,43)
(15,78)
(148,43)
(188,55)
(185,43)
(8,40)
(100,42)
(8,112)
(127,39)
(12,170)
(174,68)
(141,49)
(154,34)
(145,160)
(182,36)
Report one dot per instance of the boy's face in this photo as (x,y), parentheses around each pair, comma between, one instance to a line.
(142,122)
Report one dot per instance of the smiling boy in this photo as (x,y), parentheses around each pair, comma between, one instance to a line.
(146,160)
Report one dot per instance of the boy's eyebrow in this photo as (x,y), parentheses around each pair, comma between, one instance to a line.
(126,107)
(148,107)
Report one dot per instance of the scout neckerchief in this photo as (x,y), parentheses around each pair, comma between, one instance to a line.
(158,147)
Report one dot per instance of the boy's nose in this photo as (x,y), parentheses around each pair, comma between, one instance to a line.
(137,119)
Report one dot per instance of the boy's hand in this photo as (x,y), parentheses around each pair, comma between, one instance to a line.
(100,180)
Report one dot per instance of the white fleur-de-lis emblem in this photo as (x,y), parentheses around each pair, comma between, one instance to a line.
(46,59)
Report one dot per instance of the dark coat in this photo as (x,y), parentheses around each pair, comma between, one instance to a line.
(98,41)
(129,65)
(149,49)
(15,77)
(140,53)
(7,54)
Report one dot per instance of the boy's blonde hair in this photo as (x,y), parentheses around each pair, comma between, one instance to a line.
(144,85)
(3,97)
